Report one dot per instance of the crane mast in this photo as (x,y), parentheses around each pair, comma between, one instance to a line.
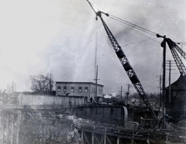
(127,66)
(175,49)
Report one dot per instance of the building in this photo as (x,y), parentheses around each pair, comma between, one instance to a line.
(176,100)
(86,89)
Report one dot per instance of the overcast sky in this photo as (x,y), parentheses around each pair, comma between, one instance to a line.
(60,37)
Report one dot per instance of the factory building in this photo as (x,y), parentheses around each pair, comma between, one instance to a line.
(86,89)
(176,99)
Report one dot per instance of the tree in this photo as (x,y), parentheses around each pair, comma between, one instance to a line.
(42,83)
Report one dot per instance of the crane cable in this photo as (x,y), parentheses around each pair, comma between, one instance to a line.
(133,25)
(123,21)
(144,30)
(129,24)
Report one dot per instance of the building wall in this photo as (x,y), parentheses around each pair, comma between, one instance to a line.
(176,102)
(86,89)
(47,100)
(176,106)
(117,115)
(93,91)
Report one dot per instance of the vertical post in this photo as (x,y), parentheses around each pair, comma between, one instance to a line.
(2,128)
(169,82)
(18,127)
(118,140)
(12,129)
(95,64)
(82,141)
(96,84)
(105,138)
(96,81)
(160,91)
(44,134)
(163,44)
(128,92)
(12,87)
(50,83)
(96,69)
(121,91)
(167,137)
(7,129)
(92,138)
(132,140)
(164,78)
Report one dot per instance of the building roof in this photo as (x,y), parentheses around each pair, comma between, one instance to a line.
(79,83)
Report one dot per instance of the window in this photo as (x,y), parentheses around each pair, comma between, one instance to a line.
(100,91)
(58,88)
(64,89)
(80,89)
(86,89)
(72,89)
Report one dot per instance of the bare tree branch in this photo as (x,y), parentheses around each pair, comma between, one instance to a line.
(42,83)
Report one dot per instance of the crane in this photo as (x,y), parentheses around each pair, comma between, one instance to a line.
(175,49)
(125,63)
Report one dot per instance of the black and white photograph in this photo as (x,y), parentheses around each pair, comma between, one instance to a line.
(92,72)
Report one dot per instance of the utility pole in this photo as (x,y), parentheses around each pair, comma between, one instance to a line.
(169,82)
(96,69)
(164,78)
(96,81)
(13,87)
(160,90)
(128,92)
(163,44)
(50,83)
(121,91)
(169,62)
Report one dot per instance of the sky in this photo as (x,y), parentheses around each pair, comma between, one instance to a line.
(61,36)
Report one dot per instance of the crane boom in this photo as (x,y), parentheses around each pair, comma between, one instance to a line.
(179,63)
(183,54)
(127,66)
(175,49)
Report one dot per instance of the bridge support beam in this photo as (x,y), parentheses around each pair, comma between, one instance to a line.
(118,140)
(92,138)
(105,139)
